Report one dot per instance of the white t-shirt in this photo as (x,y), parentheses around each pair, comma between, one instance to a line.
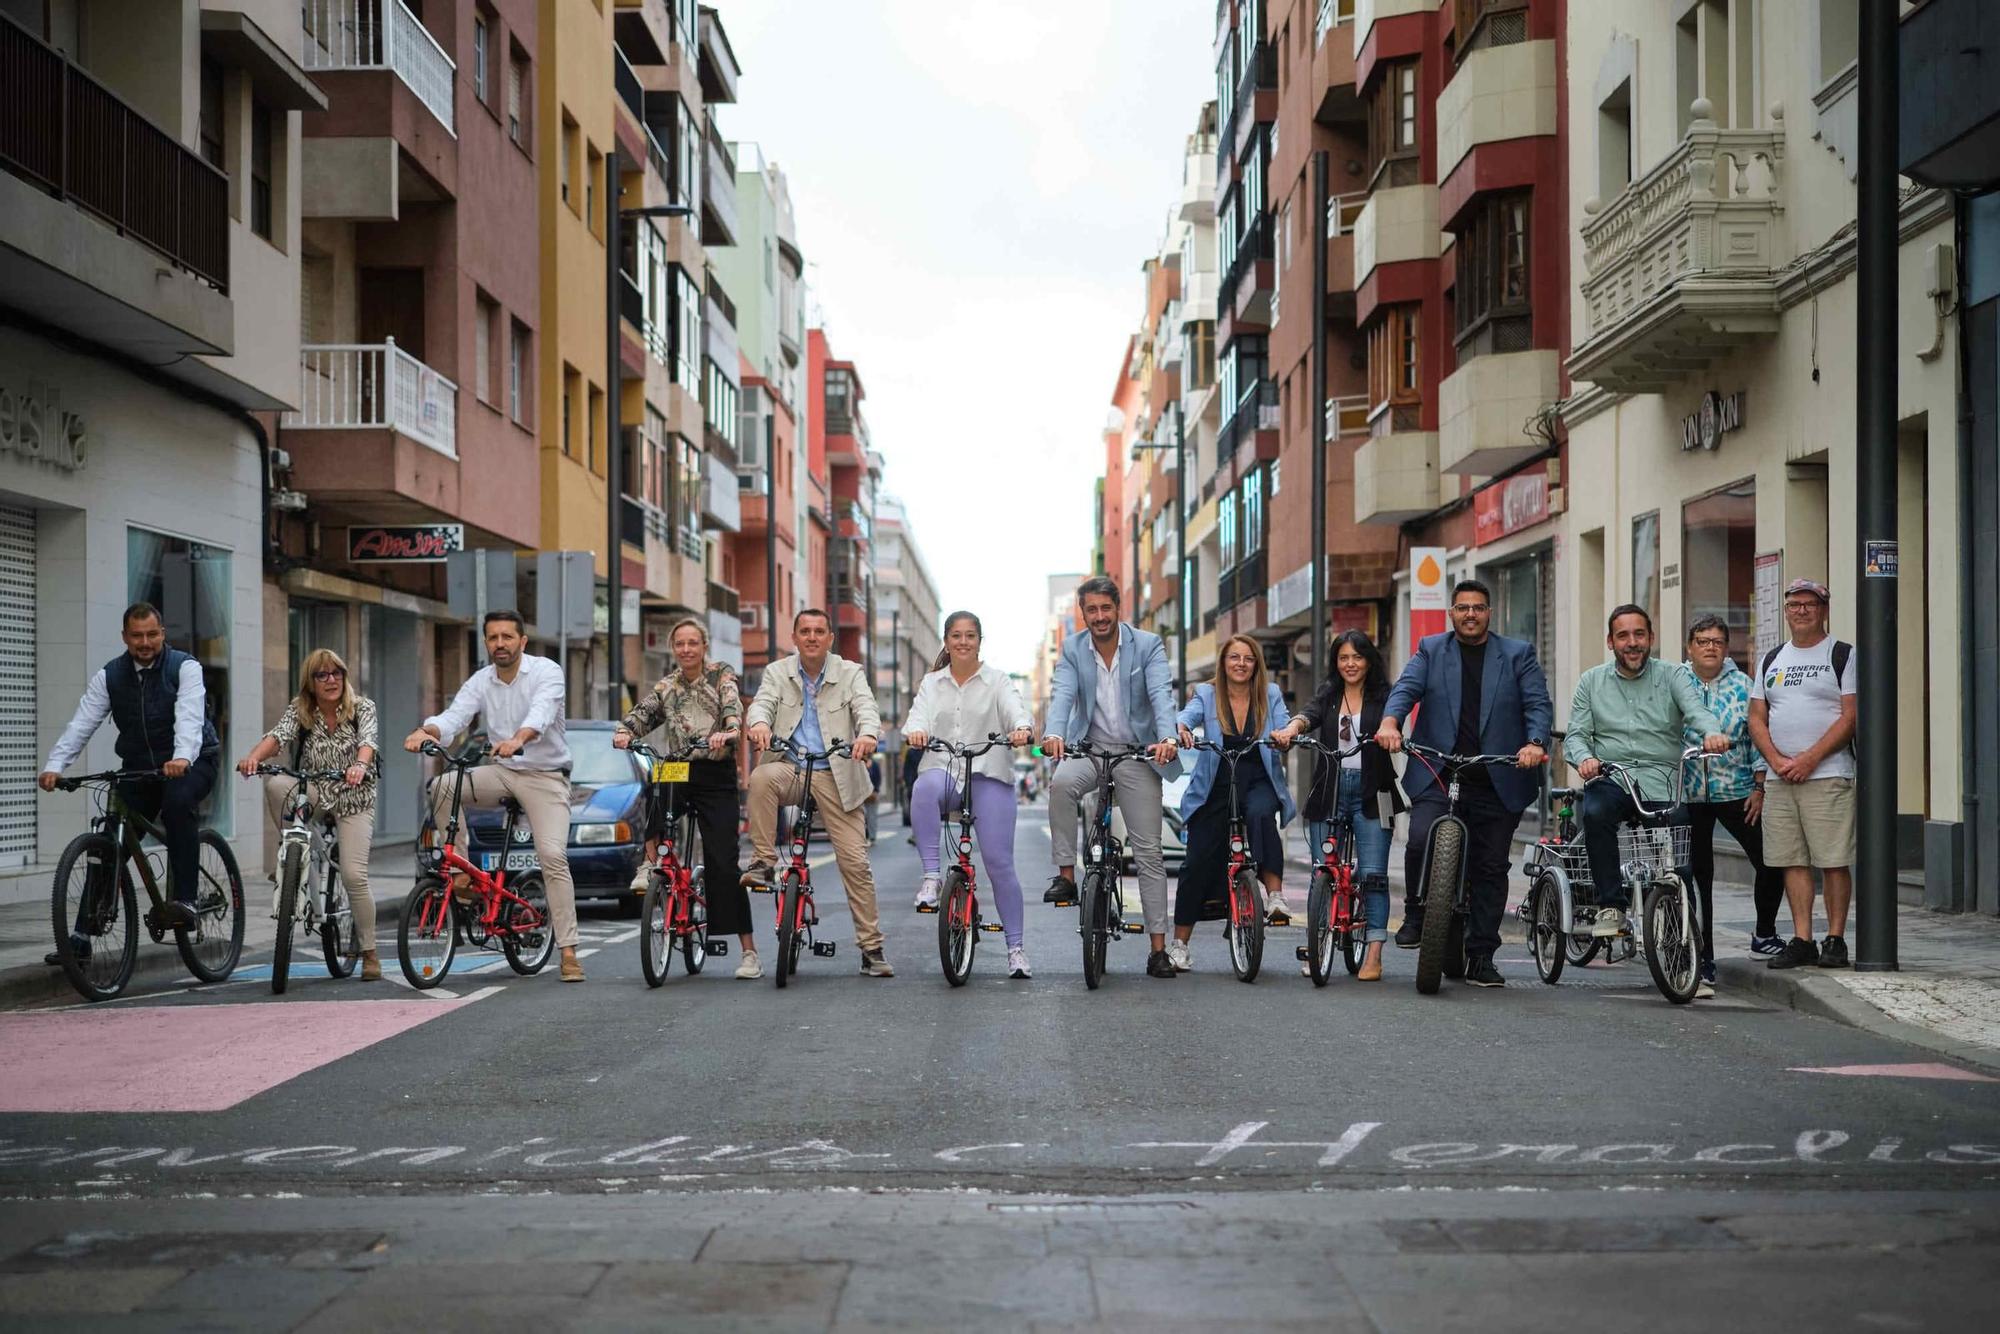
(1348,732)
(1802,697)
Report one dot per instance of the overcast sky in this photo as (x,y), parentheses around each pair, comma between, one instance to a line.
(976,186)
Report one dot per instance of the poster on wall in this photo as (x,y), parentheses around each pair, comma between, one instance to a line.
(1430,593)
(1767,620)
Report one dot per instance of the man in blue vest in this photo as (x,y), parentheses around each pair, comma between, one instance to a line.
(154,696)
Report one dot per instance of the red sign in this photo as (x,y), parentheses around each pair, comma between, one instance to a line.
(1519,502)
(405,544)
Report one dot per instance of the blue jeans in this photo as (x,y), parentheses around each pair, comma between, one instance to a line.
(1371,852)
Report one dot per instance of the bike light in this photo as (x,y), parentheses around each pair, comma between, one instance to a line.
(1236,845)
(1327,847)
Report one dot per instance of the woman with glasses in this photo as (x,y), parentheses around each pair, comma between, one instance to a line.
(328,726)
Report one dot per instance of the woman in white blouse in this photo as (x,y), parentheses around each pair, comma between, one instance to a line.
(964,701)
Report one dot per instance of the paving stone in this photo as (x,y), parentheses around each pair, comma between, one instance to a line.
(1252,1288)
(66,1291)
(678,1292)
(445,1313)
(966,1294)
(428,1279)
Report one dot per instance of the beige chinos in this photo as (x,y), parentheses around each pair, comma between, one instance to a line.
(779,784)
(543,796)
(355,832)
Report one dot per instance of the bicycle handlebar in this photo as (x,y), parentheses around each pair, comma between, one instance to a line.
(1332,752)
(1623,775)
(1451,761)
(469,759)
(1111,754)
(638,747)
(970,749)
(303,775)
(791,750)
(1228,752)
(109,776)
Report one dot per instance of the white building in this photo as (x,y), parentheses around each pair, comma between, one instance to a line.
(908,619)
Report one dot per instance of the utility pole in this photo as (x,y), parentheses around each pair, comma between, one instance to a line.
(1875,484)
(1318,576)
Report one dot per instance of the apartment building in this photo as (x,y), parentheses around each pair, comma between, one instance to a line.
(1063,620)
(853,475)
(1191,352)
(1151,460)
(150,248)
(908,617)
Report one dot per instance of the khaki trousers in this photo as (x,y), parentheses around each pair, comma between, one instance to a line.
(543,796)
(356,832)
(775,785)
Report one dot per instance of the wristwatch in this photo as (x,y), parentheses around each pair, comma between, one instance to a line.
(1538,743)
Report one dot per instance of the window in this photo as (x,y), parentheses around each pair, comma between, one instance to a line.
(1393,124)
(212,116)
(566,162)
(1394,366)
(1225,528)
(481,35)
(517,372)
(484,316)
(1839,37)
(1490,295)
(518,106)
(1251,539)
(686,350)
(261,131)
(1614,142)
(191,584)
(719,399)
(593,165)
(1646,563)
(1718,561)
(1482,23)
(1198,368)
(1715,57)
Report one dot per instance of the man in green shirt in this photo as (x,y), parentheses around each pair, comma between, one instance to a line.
(1629,711)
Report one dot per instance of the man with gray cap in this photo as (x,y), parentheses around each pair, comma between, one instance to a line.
(1802,722)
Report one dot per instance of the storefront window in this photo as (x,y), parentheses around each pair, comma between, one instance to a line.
(1646,564)
(190,584)
(1518,606)
(1718,558)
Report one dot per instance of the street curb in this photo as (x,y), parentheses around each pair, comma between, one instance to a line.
(1810,991)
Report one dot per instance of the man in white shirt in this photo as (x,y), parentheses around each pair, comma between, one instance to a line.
(521,698)
(1802,719)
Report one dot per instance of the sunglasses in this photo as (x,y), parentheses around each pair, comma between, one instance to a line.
(330,674)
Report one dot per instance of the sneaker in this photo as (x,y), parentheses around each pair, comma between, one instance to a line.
(1833,952)
(755,876)
(1159,965)
(927,894)
(1275,912)
(1061,891)
(1180,956)
(1480,972)
(874,965)
(1610,922)
(1798,954)
(1705,988)
(749,965)
(1017,963)
(1767,947)
(1411,933)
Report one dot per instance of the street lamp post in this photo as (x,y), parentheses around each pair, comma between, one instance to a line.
(614,463)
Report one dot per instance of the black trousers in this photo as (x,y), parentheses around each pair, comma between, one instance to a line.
(176,804)
(1769,891)
(710,796)
(1490,856)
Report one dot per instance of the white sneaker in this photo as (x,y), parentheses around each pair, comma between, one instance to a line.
(1275,911)
(1610,922)
(749,966)
(1017,962)
(927,894)
(1179,956)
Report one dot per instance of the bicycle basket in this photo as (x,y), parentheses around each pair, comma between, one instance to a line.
(1649,850)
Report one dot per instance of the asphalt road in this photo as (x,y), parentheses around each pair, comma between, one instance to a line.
(1202,1089)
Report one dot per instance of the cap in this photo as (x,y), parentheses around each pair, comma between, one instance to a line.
(1818,590)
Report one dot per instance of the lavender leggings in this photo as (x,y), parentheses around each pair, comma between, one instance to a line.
(935,797)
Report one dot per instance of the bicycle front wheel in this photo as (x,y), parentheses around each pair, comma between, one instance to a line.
(788,928)
(1548,934)
(212,948)
(1672,952)
(1443,867)
(1246,926)
(1319,929)
(95,912)
(656,943)
(694,943)
(1093,911)
(529,940)
(339,933)
(958,933)
(291,874)
(427,936)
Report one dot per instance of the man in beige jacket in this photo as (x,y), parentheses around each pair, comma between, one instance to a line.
(816,698)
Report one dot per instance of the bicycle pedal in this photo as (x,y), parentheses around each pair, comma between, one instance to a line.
(717,948)
(1300,954)
(823,949)
(760,889)
(992,928)
(1132,928)
(928,909)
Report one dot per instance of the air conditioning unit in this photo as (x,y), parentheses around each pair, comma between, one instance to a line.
(753,616)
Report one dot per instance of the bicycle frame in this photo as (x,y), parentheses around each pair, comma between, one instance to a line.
(128,829)
(667,863)
(1239,830)
(1102,850)
(807,911)
(491,886)
(1336,852)
(1448,779)
(969,913)
(299,827)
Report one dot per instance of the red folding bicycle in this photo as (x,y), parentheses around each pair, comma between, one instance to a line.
(675,913)
(959,923)
(1335,919)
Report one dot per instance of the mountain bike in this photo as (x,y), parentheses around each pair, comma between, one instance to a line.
(309,887)
(797,913)
(1441,952)
(1243,927)
(959,922)
(1100,903)
(1335,919)
(675,912)
(436,917)
(94,905)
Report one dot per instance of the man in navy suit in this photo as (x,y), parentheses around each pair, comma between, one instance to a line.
(1482,694)
(1112,688)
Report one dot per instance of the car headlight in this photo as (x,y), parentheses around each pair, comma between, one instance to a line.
(584,835)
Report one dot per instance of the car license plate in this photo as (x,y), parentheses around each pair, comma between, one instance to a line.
(519,859)
(670,771)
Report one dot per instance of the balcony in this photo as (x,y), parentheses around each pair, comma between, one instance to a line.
(1198,179)
(1246,284)
(719,224)
(1396,477)
(644,30)
(1242,583)
(364,387)
(363,35)
(719,69)
(1484,406)
(1346,415)
(1257,411)
(625,80)
(1260,74)
(1395,226)
(721,497)
(1497,93)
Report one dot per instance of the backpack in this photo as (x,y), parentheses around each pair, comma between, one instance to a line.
(1842,651)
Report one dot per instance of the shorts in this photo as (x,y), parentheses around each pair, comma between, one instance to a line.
(1809,824)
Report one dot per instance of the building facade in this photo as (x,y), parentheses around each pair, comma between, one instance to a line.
(908,617)
(853,474)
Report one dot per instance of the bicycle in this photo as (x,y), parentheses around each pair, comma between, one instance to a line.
(1441,951)
(675,910)
(432,924)
(308,856)
(1100,903)
(797,913)
(1335,919)
(959,922)
(95,914)
(1243,928)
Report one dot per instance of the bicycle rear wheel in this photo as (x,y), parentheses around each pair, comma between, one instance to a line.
(210,950)
(1673,954)
(1443,867)
(1246,926)
(694,944)
(958,934)
(1548,934)
(529,940)
(1581,950)
(788,928)
(339,933)
(1354,938)
(1093,913)
(95,912)
(656,942)
(427,935)
(1320,941)
(291,875)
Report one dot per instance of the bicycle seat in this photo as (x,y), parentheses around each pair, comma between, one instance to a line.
(510,806)
(1662,818)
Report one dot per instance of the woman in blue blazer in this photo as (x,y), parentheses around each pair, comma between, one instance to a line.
(1239,705)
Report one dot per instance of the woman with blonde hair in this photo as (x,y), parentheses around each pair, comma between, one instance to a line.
(328,726)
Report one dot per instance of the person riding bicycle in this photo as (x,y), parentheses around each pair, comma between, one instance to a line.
(1629,711)
(699,704)
(1233,711)
(155,698)
(1112,687)
(815,698)
(1482,694)
(522,699)
(964,701)
(328,726)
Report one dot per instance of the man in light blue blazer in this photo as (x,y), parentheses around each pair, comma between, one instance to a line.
(1112,687)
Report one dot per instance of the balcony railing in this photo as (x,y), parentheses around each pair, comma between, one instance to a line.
(1241,583)
(723,598)
(381,34)
(1343,211)
(1257,410)
(1346,415)
(1260,70)
(1253,246)
(1331,13)
(630,91)
(363,386)
(69,134)
(718,192)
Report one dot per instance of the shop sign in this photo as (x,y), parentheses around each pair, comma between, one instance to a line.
(1507,507)
(35,425)
(1430,595)
(404,544)
(1718,415)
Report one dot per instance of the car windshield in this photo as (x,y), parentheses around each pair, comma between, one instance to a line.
(595,763)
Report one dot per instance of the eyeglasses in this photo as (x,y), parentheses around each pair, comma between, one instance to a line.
(1710,641)
(331,674)
(1812,605)
(1471,609)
